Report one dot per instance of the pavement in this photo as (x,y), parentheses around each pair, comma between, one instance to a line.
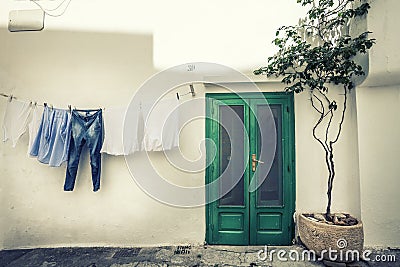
(174,256)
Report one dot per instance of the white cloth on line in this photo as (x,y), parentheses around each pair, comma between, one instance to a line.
(114,141)
(16,119)
(34,125)
(161,125)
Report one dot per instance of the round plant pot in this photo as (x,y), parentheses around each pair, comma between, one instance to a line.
(333,242)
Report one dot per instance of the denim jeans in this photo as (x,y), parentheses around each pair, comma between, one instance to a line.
(85,128)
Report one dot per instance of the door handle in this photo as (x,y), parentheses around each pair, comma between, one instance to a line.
(254,160)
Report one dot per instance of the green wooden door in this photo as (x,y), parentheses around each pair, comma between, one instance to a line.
(252,164)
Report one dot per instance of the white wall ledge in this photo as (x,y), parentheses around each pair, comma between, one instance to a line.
(384,56)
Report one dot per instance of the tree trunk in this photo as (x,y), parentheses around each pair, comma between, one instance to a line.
(326,144)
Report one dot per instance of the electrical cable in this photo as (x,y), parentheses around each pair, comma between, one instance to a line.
(46,11)
(53,9)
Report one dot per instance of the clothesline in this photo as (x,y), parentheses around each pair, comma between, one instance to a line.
(155,116)
(13,97)
(192,92)
(8,96)
(35,102)
(54,136)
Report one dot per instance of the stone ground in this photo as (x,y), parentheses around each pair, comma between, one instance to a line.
(193,256)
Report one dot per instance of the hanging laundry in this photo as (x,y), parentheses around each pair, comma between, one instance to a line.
(16,120)
(37,113)
(52,140)
(86,128)
(161,129)
(114,126)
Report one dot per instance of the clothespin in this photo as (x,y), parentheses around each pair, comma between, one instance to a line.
(45,104)
(11,97)
(192,90)
(70,109)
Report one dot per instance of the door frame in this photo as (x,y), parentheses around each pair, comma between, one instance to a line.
(209,131)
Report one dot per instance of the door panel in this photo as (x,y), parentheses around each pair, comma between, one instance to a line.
(269,221)
(231,220)
(254,140)
(231,156)
(270,191)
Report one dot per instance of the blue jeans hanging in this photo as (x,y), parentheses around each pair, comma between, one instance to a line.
(86,128)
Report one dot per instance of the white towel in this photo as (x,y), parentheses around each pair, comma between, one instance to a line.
(16,120)
(115,143)
(34,125)
(161,125)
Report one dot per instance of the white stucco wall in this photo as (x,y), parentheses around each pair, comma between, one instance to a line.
(183,31)
(35,210)
(311,176)
(378,102)
(100,62)
(88,70)
(379,131)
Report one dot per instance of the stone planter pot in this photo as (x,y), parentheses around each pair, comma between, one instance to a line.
(342,241)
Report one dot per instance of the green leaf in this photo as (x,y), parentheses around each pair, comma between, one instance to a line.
(304,64)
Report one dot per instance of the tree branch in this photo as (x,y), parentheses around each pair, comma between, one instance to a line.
(319,121)
(342,117)
(313,105)
(325,147)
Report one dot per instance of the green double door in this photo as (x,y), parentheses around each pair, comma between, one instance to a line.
(250,172)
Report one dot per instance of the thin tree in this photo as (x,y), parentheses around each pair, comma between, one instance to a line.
(315,53)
